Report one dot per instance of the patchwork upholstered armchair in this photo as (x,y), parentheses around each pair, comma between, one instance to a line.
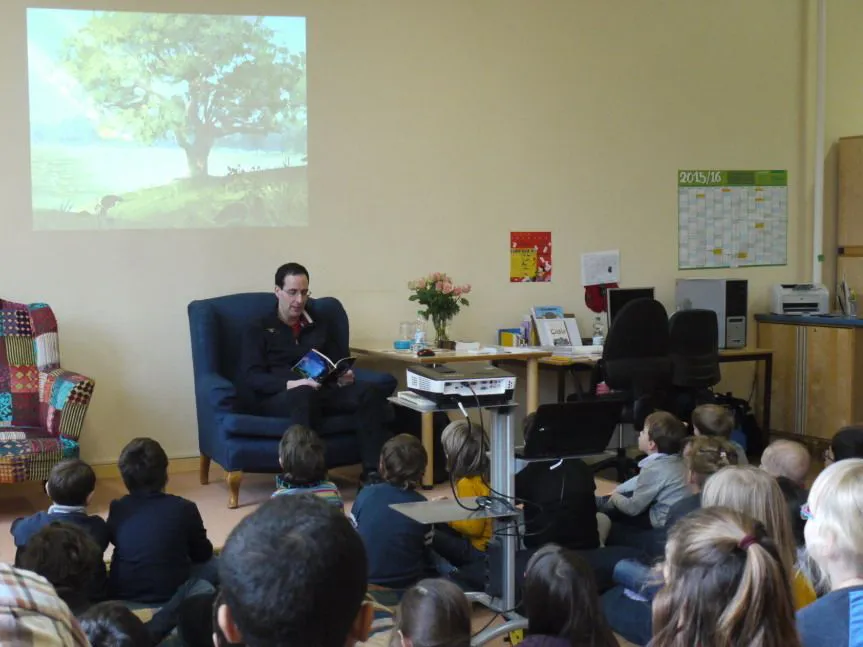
(42,406)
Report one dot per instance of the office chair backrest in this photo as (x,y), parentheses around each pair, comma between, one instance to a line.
(635,355)
(694,348)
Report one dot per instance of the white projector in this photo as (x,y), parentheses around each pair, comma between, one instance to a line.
(468,384)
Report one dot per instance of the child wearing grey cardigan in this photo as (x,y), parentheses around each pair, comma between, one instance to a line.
(661,482)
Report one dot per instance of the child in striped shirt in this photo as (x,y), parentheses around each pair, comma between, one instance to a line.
(304,469)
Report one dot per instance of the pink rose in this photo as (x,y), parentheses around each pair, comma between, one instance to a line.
(438,286)
(465,289)
(435,277)
(456,291)
(447,288)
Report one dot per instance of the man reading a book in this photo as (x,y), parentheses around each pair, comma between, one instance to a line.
(271,386)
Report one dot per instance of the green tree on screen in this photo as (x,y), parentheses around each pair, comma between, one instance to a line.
(190,78)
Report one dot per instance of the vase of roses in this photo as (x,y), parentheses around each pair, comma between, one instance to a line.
(442,300)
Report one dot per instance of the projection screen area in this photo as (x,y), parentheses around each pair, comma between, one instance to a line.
(160,120)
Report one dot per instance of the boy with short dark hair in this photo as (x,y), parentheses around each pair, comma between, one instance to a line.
(716,420)
(159,539)
(70,486)
(396,545)
(302,458)
(662,480)
(303,584)
(66,555)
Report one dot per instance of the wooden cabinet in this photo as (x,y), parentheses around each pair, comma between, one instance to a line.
(849,229)
(849,226)
(782,340)
(817,376)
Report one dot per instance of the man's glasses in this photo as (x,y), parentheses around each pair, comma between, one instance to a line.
(293,294)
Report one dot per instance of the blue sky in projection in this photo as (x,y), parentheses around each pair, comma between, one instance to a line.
(55,96)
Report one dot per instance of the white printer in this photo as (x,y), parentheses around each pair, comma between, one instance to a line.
(799,299)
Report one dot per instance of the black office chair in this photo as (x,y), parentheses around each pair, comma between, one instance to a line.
(694,352)
(636,365)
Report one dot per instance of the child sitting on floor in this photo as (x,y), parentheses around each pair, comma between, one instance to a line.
(66,555)
(716,420)
(432,613)
(112,624)
(396,545)
(461,545)
(161,549)
(787,459)
(561,602)
(627,605)
(661,482)
(834,539)
(754,492)
(70,487)
(725,585)
(302,458)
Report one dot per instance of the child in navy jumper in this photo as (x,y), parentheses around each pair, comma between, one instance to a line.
(157,537)
(395,544)
(161,549)
(70,487)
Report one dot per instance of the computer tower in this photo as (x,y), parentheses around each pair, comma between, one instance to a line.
(728,298)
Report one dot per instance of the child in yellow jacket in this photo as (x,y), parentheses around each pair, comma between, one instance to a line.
(460,546)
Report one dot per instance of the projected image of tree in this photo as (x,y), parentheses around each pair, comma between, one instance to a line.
(167,120)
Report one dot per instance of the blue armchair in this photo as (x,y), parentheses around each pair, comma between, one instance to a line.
(238,441)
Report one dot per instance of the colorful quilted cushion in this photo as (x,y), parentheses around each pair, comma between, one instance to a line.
(29,454)
(42,406)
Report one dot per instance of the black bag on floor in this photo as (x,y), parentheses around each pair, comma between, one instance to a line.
(408,421)
(745,421)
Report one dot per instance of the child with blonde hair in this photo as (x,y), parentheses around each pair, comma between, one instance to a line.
(461,545)
(787,459)
(754,492)
(834,539)
(726,584)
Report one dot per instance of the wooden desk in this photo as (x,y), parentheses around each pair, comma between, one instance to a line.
(384,351)
(564,366)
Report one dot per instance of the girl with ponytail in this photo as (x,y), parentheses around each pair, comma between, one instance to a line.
(726,584)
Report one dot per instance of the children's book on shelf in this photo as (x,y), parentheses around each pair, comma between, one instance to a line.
(554,328)
(547,312)
(316,366)
(509,336)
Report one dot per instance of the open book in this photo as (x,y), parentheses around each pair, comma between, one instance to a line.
(318,367)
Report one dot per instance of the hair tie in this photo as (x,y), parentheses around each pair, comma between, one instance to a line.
(746,542)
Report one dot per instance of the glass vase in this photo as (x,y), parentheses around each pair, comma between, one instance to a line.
(441,330)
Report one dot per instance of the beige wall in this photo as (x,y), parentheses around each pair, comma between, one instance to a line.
(844,113)
(435,129)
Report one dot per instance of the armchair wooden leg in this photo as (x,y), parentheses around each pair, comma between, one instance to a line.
(204,468)
(234,479)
